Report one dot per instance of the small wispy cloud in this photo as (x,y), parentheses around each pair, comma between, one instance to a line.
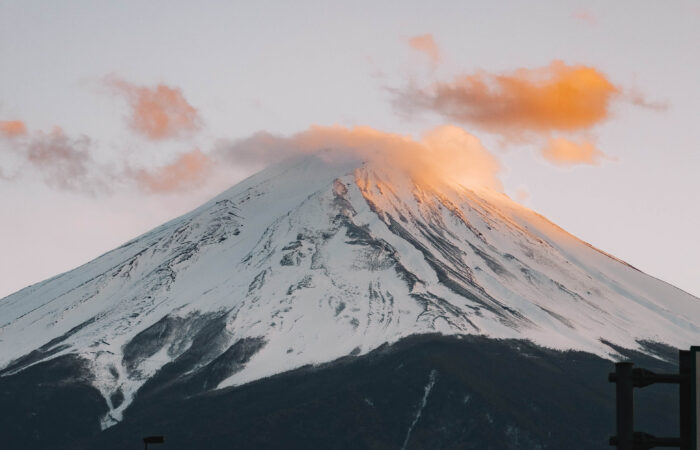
(585,17)
(563,152)
(425,44)
(66,162)
(636,98)
(12,128)
(63,161)
(157,112)
(189,170)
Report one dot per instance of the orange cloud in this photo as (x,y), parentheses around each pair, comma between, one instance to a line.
(426,45)
(188,170)
(445,154)
(158,112)
(564,152)
(558,97)
(12,128)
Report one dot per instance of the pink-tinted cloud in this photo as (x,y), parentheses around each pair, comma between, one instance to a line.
(425,43)
(188,170)
(12,128)
(563,152)
(64,162)
(558,97)
(60,160)
(157,112)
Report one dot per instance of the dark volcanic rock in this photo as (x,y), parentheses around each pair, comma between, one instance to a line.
(49,405)
(485,394)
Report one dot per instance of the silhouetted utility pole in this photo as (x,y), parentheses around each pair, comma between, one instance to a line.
(627,377)
(693,364)
(153,440)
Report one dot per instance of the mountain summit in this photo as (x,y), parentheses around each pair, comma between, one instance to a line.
(321,257)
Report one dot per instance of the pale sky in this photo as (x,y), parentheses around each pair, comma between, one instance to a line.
(107,72)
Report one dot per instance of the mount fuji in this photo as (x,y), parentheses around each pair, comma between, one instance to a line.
(350,288)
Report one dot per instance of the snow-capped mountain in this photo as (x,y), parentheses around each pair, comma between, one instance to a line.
(319,257)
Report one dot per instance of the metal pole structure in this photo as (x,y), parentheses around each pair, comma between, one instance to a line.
(625,406)
(627,378)
(684,366)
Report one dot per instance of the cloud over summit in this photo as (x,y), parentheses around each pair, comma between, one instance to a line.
(444,154)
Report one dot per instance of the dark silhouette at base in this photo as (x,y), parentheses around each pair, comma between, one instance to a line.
(153,440)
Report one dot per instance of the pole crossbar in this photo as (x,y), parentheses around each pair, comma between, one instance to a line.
(626,377)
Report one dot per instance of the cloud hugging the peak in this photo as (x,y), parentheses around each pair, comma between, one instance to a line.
(444,154)
(157,112)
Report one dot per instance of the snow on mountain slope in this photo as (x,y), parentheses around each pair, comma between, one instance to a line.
(311,260)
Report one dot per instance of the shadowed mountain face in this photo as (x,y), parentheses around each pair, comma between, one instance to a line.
(423,392)
(315,260)
(50,404)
